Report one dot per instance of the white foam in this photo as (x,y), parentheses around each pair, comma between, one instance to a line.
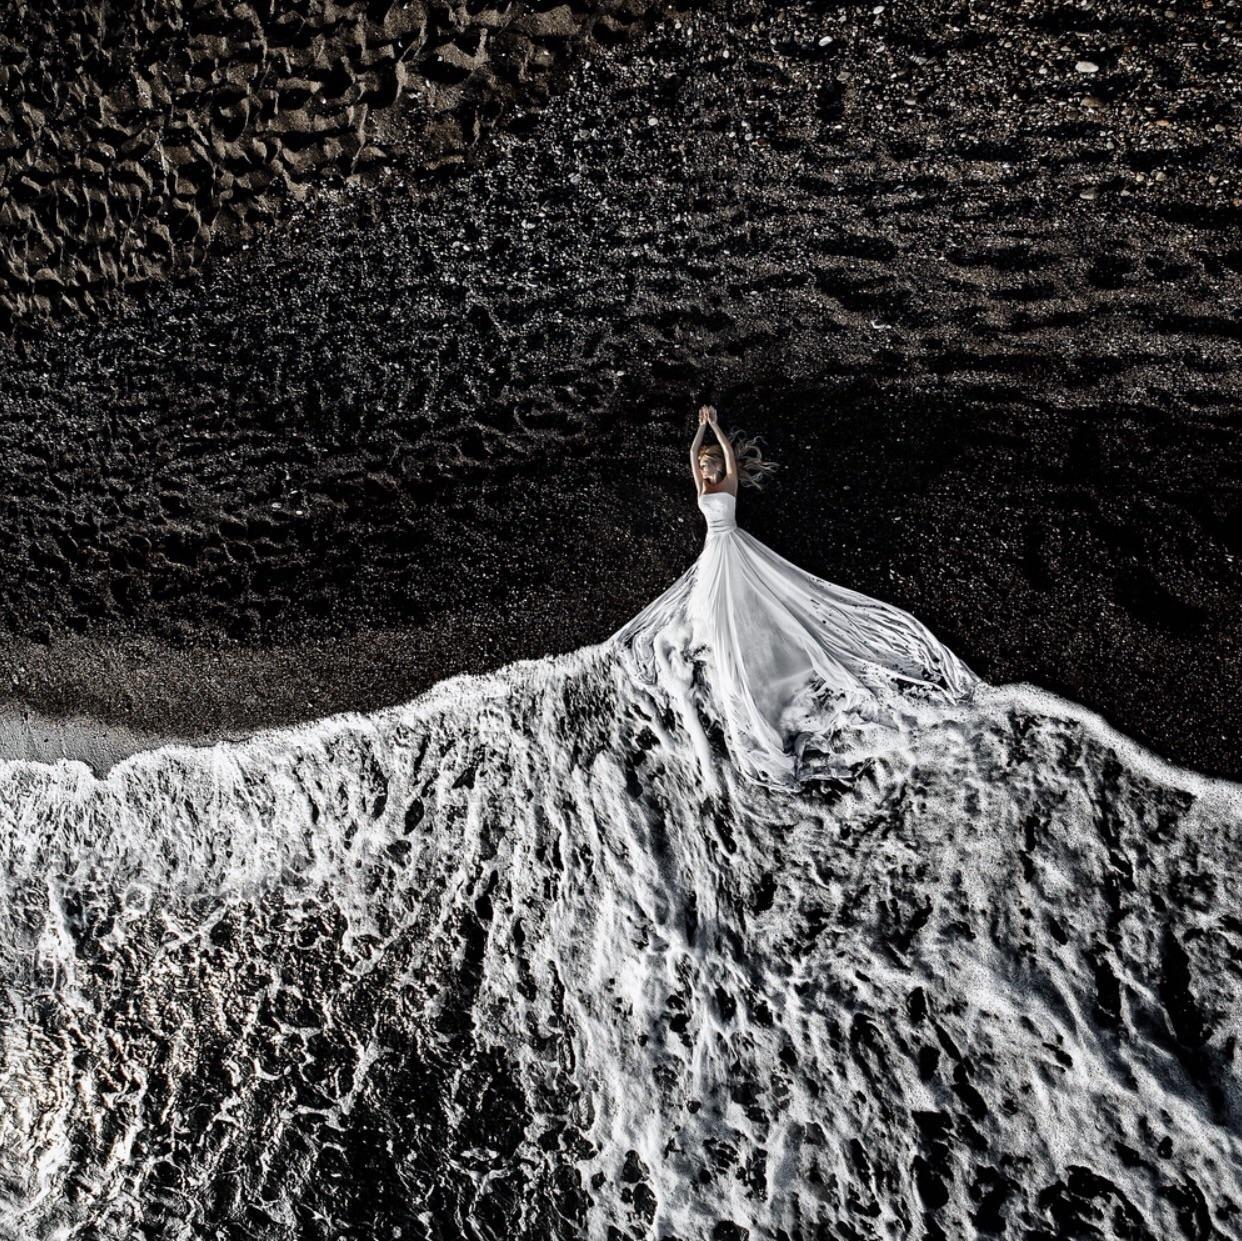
(570,870)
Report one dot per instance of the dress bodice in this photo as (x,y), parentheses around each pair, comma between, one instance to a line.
(720,509)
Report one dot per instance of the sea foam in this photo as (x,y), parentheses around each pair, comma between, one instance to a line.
(527,957)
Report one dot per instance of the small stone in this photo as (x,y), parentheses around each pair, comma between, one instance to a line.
(1087,66)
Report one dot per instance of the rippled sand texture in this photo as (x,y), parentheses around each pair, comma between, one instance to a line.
(140,137)
(982,304)
(508,962)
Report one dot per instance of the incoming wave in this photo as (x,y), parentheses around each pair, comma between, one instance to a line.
(527,958)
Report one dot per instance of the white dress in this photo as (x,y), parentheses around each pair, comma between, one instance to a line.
(790,660)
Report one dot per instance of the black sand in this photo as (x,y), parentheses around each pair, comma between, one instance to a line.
(435,418)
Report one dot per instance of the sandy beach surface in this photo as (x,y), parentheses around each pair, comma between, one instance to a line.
(28,735)
(975,281)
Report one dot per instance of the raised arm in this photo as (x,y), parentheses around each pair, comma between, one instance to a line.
(694,454)
(725,447)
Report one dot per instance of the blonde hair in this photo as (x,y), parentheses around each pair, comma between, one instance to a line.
(753,468)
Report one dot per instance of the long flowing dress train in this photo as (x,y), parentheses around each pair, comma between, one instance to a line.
(791,659)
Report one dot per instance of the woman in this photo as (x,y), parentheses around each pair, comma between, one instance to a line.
(791,660)
(715,468)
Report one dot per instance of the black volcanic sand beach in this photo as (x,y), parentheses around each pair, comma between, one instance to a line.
(974,275)
(142,137)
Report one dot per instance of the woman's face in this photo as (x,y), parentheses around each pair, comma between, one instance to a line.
(711,467)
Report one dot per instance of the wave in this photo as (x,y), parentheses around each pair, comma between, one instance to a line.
(526,957)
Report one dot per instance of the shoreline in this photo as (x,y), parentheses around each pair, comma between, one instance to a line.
(100,700)
(28,736)
(211,709)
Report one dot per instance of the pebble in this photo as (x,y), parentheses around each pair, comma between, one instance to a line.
(1087,66)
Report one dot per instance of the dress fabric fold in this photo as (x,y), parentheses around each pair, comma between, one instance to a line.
(791,660)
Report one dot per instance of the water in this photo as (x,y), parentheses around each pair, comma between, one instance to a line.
(526,958)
